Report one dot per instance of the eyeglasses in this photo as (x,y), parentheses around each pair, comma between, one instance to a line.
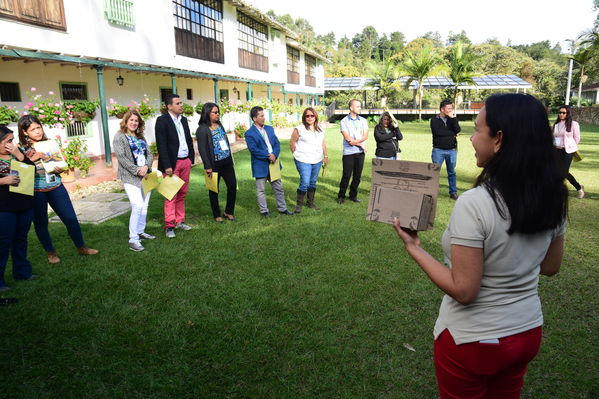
(310,116)
(562,112)
(215,112)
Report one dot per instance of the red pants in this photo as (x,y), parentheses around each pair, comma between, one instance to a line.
(174,210)
(483,371)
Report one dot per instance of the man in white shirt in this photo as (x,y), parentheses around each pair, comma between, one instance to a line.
(355,132)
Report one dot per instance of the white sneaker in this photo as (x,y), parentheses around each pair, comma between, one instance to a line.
(170,233)
(580,192)
(183,226)
(146,236)
(135,246)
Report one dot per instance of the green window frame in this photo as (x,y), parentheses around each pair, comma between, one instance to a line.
(120,12)
(68,91)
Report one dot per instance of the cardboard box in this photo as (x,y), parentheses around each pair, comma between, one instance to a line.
(406,190)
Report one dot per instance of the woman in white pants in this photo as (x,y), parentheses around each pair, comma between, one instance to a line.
(135,162)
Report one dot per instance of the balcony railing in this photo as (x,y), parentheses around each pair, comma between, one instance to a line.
(120,12)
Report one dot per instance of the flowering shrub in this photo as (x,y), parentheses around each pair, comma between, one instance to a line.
(240,129)
(83,111)
(8,115)
(75,153)
(145,109)
(48,110)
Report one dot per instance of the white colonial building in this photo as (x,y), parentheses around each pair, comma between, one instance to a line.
(121,50)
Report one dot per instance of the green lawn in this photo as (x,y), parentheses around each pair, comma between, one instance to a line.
(317,305)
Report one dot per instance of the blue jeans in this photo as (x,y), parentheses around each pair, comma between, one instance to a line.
(393,158)
(308,174)
(61,203)
(13,240)
(450,158)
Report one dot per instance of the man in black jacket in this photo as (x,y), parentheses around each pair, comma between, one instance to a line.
(175,157)
(445,128)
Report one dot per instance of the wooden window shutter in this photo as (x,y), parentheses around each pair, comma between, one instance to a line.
(53,13)
(7,7)
(30,10)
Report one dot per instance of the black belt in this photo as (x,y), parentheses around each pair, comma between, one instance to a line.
(180,159)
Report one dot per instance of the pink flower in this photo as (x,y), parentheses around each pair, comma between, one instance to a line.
(33,89)
(61,119)
(111,100)
(29,105)
(55,118)
(57,105)
(36,109)
(51,93)
(58,138)
(57,112)
(76,158)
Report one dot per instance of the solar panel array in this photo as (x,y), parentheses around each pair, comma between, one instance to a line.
(433,82)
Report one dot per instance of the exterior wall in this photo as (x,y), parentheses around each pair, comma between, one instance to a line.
(151,41)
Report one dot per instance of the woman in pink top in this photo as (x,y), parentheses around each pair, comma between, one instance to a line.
(566,136)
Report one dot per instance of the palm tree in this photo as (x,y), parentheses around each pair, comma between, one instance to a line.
(462,65)
(582,57)
(419,65)
(383,78)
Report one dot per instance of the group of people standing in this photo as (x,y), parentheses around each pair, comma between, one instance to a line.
(18,211)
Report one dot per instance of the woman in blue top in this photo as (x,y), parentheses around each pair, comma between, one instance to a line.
(216,154)
(49,190)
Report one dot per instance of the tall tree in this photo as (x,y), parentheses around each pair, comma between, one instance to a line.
(398,42)
(582,57)
(453,38)
(435,37)
(462,67)
(419,65)
(383,78)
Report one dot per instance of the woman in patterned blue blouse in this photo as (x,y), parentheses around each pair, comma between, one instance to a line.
(135,162)
(217,157)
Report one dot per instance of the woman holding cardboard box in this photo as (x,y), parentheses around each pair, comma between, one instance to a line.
(501,235)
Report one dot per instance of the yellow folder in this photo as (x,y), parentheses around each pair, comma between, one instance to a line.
(170,185)
(151,181)
(26,173)
(211,181)
(275,170)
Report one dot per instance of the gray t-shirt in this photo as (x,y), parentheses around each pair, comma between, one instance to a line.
(508,301)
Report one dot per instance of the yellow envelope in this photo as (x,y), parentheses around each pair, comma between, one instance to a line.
(170,185)
(151,181)
(26,173)
(212,181)
(275,170)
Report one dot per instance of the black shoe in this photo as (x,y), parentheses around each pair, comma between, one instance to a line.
(286,212)
(340,200)
(355,199)
(453,196)
(265,214)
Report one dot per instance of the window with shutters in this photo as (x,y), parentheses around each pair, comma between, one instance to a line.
(120,12)
(253,43)
(199,29)
(293,57)
(48,13)
(9,91)
(310,70)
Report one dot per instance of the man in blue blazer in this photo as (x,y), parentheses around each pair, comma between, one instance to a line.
(264,148)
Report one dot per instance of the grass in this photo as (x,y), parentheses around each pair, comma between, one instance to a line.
(317,305)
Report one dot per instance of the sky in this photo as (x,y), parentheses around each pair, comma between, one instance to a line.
(521,21)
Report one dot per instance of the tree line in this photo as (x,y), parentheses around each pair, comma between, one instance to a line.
(388,57)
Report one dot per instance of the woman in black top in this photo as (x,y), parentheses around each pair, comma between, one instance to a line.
(16,213)
(217,157)
(387,135)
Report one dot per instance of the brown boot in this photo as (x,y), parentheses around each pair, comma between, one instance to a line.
(300,201)
(53,257)
(87,251)
(310,203)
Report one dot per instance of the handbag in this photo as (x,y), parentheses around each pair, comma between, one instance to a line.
(577,156)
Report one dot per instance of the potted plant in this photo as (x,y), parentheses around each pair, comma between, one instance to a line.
(199,107)
(82,111)
(239,131)
(8,115)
